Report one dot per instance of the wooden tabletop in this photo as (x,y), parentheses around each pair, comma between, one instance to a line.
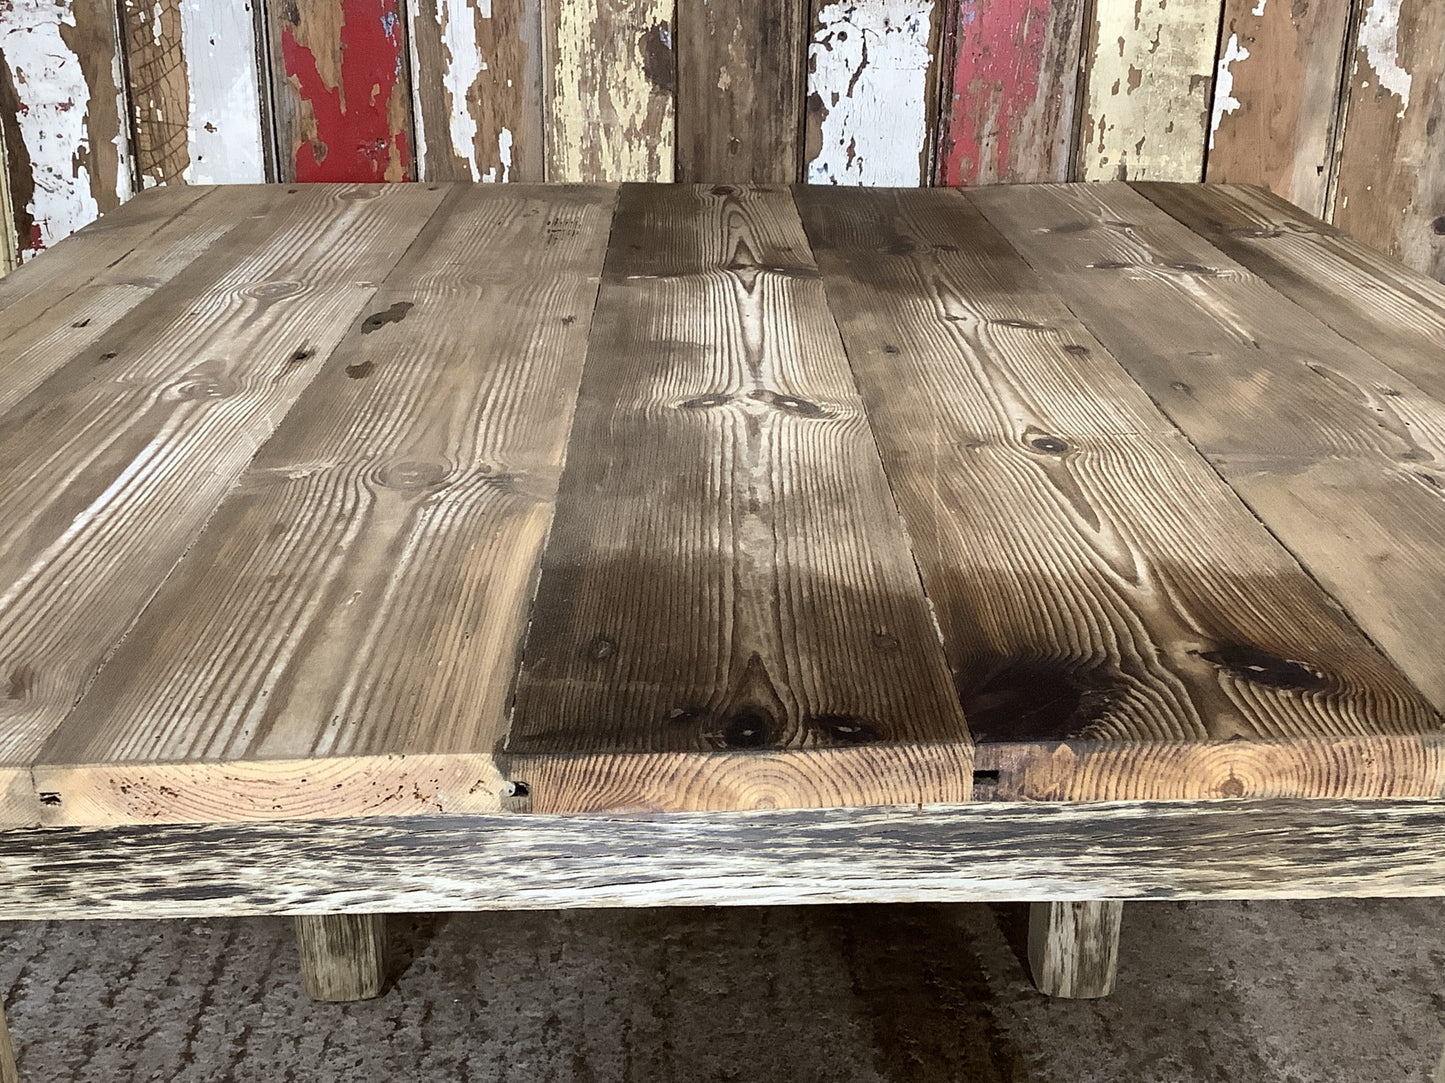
(341,500)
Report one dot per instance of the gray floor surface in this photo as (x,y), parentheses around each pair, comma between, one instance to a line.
(1280,992)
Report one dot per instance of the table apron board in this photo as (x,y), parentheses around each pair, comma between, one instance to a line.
(979,852)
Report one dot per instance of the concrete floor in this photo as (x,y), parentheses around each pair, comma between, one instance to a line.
(1277,992)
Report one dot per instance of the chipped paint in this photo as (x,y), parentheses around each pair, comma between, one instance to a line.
(610,109)
(1224,99)
(62,63)
(1380,38)
(1147,97)
(223,118)
(868,85)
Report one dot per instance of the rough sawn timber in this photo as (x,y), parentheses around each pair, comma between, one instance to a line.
(1074,947)
(729,615)
(1118,624)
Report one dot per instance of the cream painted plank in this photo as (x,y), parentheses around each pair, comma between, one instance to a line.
(72,161)
(610,78)
(110,468)
(872,92)
(1147,90)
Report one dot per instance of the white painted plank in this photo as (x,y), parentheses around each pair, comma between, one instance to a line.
(225,107)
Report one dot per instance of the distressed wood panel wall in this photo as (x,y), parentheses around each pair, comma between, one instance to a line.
(1333,104)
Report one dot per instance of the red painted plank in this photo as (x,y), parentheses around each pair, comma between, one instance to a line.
(343,97)
(1010,116)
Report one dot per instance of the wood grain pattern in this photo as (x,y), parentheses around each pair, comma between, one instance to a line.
(943,853)
(1374,301)
(1009,114)
(740,85)
(1146,100)
(1332,449)
(1074,947)
(872,91)
(341,93)
(194,91)
(366,583)
(1391,187)
(728,614)
(343,956)
(66,123)
(1118,624)
(1276,97)
(609,90)
(109,469)
(477,84)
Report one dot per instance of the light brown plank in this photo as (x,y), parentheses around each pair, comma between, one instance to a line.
(1148,72)
(1333,450)
(109,469)
(1118,624)
(1390,190)
(477,85)
(609,90)
(740,85)
(1277,96)
(1371,299)
(728,614)
(343,636)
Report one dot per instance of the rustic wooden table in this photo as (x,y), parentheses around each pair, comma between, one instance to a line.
(379,548)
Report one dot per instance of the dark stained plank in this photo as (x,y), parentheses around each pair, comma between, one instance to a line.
(1011,111)
(110,468)
(740,86)
(1335,451)
(340,90)
(1390,189)
(477,83)
(728,615)
(1371,299)
(1277,95)
(343,636)
(950,853)
(1118,624)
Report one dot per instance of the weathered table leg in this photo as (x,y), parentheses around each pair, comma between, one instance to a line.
(1074,947)
(343,956)
(7,1054)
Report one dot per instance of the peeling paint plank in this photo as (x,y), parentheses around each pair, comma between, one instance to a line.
(872,91)
(194,91)
(610,87)
(65,127)
(1147,89)
(740,83)
(1391,187)
(343,103)
(8,248)
(477,85)
(1010,115)
(1275,95)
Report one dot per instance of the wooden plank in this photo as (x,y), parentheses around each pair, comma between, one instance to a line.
(67,149)
(1074,947)
(872,91)
(1276,96)
(1118,624)
(1374,301)
(478,90)
(1332,449)
(1010,112)
(740,90)
(609,88)
(195,91)
(341,90)
(728,614)
(343,956)
(940,853)
(1391,187)
(1146,90)
(9,246)
(366,582)
(110,468)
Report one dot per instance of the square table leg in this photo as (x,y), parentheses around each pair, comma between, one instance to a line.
(343,956)
(1074,947)
(8,1074)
